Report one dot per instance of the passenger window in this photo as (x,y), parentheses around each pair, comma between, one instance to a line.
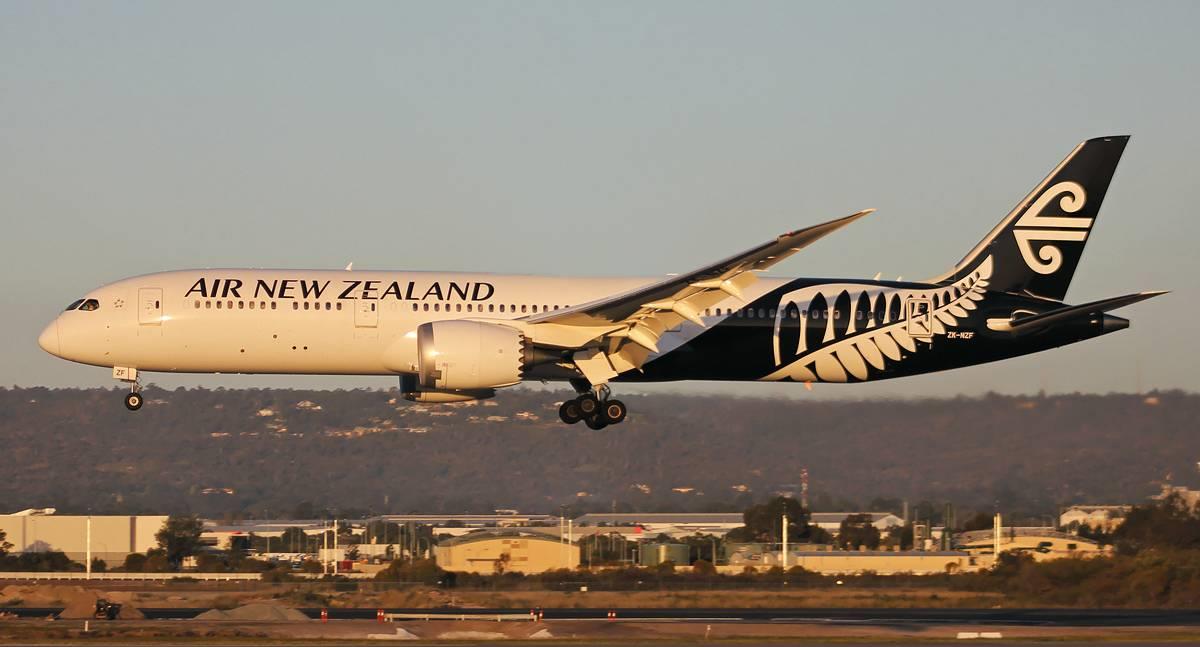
(437,307)
(251,305)
(306,305)
(197,304)
(329,306)
(501,307)
(208,305)
(339,305)
(469,307)
(458,307)
(295,306)
(512,308)
(415,307)
(272,305)
(241,305)
(373,307)
(491,307)
(262,305)
(522,309)
(425,307)
(218,305)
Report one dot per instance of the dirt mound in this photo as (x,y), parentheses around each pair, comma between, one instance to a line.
(255,613)
(80,603)
(38,595)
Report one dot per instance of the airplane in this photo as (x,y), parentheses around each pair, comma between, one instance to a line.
(455,337)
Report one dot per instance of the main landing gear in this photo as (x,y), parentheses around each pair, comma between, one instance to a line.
(594,408)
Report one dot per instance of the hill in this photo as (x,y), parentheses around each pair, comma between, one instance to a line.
(285,452)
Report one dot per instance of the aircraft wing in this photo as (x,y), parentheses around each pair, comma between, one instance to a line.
(632,322)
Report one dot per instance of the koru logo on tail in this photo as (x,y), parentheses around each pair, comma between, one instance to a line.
(1034,227)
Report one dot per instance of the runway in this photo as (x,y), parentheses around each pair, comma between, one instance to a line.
(840,616)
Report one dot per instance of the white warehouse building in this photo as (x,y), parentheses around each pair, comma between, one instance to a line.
(112,537)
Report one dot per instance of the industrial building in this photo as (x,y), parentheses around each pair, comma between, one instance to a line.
(1042,543)
(112,537)
(509,551)
(851,562)
(832,521)
(674,524)
(1103,517)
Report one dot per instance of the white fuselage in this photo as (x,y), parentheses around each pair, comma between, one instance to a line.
(305,321)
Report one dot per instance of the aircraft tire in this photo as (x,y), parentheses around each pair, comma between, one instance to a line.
(614,411)
(569,412)
(133,401)
(596,422)
(588,404)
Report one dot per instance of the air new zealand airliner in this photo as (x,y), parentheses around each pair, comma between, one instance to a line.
(453,337)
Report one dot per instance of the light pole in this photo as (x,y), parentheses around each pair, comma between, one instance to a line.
(783,553)
(88,547)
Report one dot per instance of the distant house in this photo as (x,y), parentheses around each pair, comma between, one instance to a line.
(1190,498)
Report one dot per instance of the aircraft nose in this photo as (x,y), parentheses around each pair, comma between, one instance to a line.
(48,340)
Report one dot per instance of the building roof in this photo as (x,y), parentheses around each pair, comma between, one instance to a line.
(486,535)
(631,518)
(973,536)
(838,517)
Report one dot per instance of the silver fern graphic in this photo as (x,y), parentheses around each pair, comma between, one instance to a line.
(877,329)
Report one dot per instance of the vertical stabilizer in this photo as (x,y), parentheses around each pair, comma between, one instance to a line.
(1037,246)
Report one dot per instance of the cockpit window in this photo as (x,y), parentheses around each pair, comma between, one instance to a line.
(90,304)
(74,304)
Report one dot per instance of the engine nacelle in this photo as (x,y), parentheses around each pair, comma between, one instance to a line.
(442,397)
(468,355)
(413,393)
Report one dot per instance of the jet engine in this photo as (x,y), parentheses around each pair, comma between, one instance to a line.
(469,355)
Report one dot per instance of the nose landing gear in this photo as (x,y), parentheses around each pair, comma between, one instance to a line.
(594,408)
(133,399)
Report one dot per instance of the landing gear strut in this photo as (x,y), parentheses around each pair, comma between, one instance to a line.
(593,406)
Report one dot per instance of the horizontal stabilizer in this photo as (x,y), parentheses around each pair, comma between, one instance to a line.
(1039,321)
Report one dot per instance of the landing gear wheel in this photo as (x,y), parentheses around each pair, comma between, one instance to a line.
(588,404)
(614,411)
(569,412)
(596,422)
(133,401)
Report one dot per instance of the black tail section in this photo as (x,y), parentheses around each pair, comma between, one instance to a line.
(1036,248)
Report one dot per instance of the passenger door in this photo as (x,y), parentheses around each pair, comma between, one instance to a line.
(150,311)
(366,318)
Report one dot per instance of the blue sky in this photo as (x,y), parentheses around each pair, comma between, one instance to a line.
(605,138)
